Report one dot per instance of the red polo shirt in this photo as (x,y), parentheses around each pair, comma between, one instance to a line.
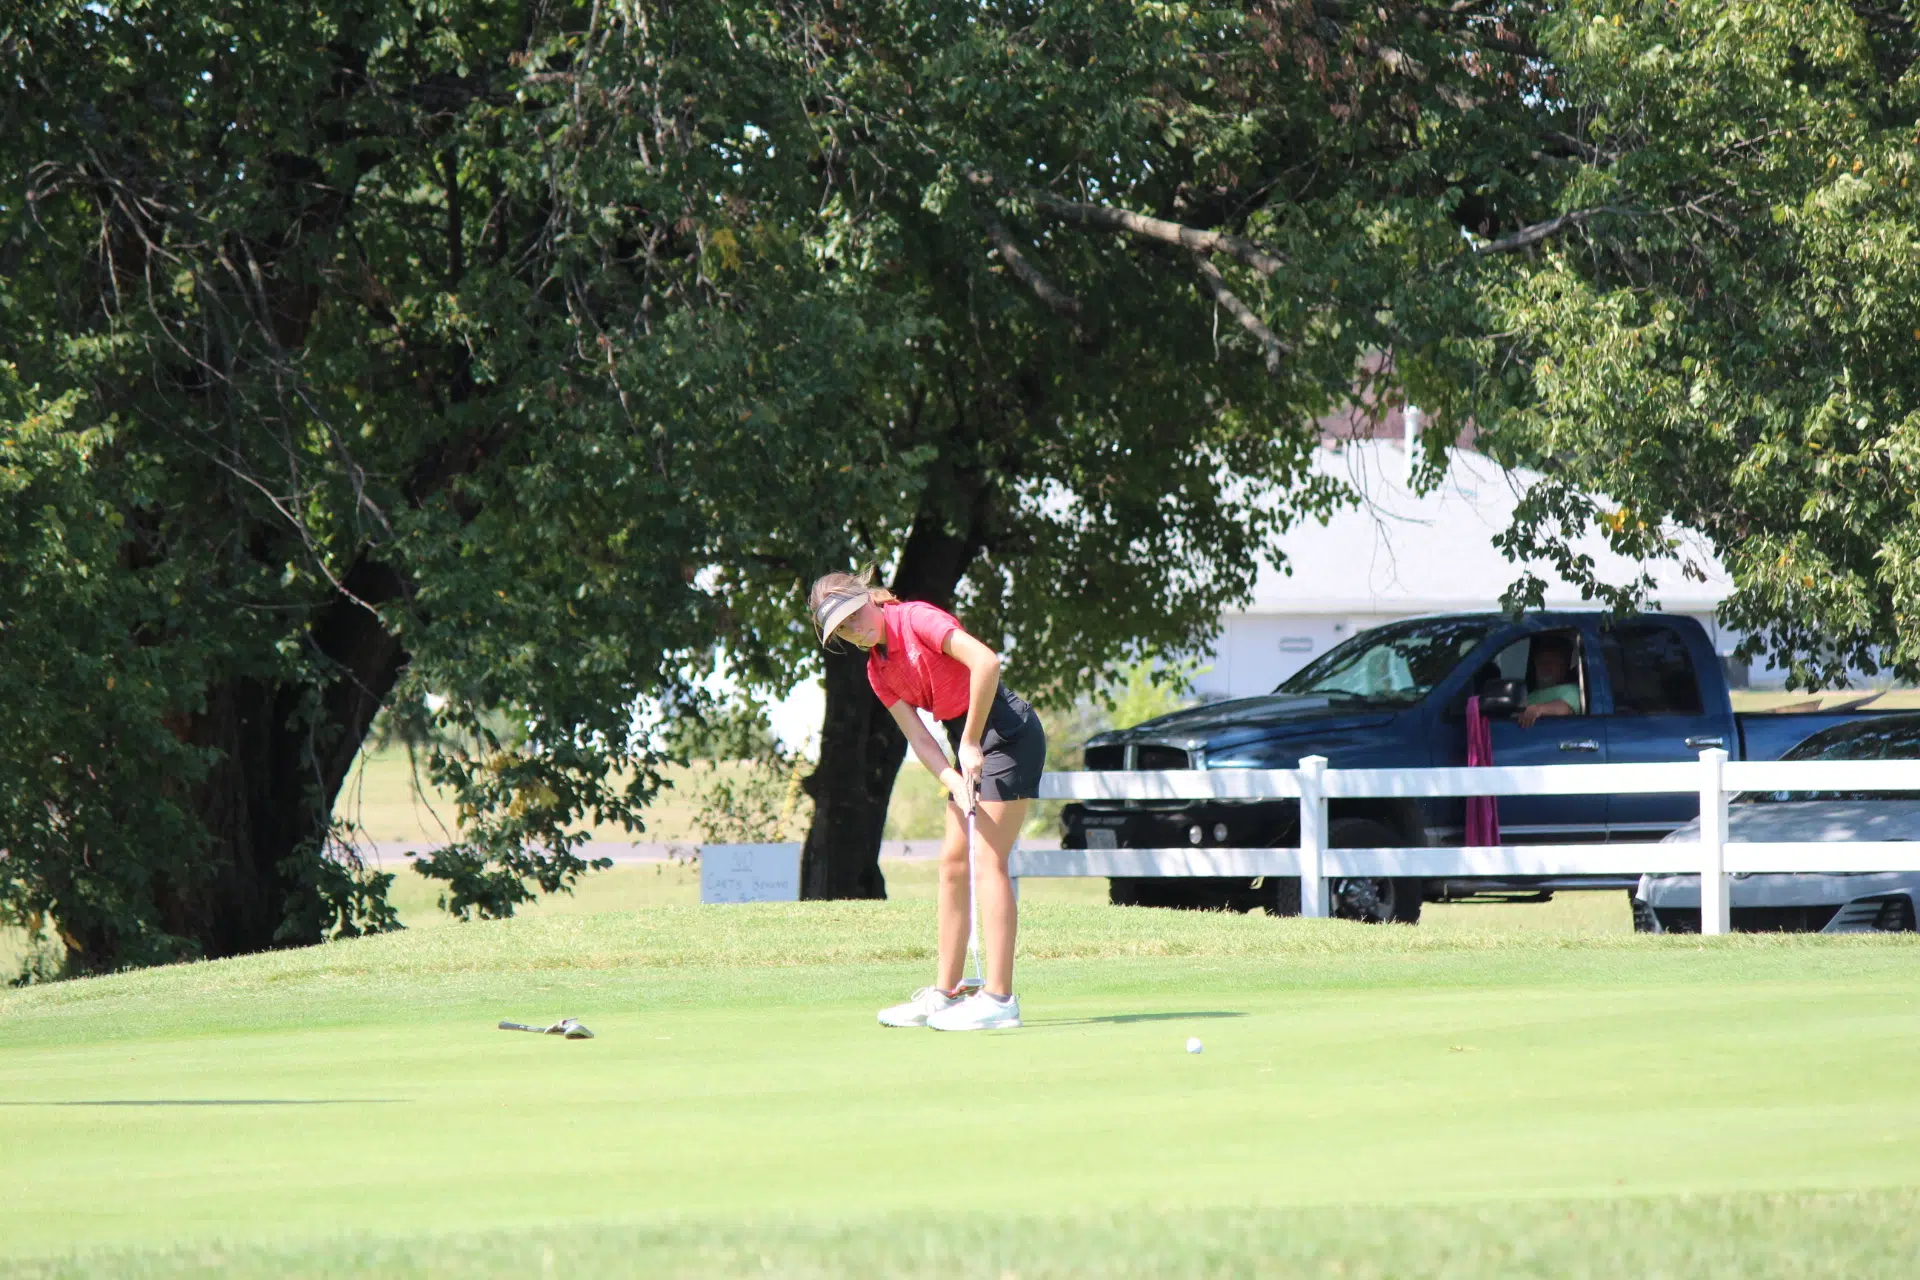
(913,670)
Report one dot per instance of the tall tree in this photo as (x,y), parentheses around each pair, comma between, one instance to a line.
(356,352)
(517,352)
(1724,333)
(1148,246)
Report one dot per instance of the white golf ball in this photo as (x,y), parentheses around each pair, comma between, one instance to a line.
(1194,1045)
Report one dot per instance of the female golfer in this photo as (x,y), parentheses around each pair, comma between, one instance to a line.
(920,658)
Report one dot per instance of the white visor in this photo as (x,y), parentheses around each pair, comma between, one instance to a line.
(836,609)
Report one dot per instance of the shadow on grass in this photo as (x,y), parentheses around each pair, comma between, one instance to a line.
(207,1102)
(1120,1018)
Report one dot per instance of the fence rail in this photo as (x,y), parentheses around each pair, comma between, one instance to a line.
(1713,777)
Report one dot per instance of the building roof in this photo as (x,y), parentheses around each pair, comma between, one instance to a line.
(1400,552)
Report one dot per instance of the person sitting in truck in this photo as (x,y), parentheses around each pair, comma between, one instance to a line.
(1552,689)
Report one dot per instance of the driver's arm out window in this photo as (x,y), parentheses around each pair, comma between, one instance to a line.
(1513,663)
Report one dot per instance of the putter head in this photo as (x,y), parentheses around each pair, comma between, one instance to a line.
(970,986)
(571,1028)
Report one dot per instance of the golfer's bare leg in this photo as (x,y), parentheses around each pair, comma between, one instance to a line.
(998,822)
(952,910)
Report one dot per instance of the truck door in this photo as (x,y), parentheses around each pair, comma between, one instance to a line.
(1658,716)
(1578,738)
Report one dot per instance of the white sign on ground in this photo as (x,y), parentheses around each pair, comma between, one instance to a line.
(749,873)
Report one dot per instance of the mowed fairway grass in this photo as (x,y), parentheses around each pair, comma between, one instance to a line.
(1465,1099)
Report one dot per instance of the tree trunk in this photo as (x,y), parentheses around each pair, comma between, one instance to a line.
(267,801)
(860,752)
(861,748)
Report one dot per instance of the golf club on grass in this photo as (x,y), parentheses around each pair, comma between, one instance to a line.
(571,1028)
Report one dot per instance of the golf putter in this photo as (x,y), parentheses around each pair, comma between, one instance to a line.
(571,1028)
(976,983)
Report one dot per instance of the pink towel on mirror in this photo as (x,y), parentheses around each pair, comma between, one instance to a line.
(1483,812)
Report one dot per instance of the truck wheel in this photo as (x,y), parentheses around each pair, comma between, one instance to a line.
(1644,921)
(1280,896)
(1395,901)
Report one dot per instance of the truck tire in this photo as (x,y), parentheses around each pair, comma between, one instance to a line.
(1395,901)
(1644,921)
(1281,896)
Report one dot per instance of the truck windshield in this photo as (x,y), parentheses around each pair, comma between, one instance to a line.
(1396,664)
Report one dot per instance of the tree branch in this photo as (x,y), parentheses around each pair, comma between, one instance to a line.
(1106,218)
(1215,287)
(1577,146)
(1528,236)
(1056,300)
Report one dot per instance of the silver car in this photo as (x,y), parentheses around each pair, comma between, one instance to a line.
(1808,902)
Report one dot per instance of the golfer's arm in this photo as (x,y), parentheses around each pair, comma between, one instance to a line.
(983,681)
(924,747)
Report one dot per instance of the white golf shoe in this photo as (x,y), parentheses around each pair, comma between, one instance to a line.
(979,1012)
(925,1002)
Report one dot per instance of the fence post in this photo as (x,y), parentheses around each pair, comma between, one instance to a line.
(1715,915)
(1313,836)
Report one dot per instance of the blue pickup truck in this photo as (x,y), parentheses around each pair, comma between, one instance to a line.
(1633,690)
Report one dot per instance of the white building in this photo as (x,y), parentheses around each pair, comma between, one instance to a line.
(1400,554)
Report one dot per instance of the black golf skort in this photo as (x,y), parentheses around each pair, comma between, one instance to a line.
(1015,747)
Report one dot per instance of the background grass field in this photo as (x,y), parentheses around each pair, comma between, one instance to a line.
(388,798)
(391,803)
(630,887)
(1455,1099)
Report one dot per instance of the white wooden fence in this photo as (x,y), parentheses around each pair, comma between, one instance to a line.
(1714,777)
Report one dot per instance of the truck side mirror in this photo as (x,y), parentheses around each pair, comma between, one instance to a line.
(1502,697)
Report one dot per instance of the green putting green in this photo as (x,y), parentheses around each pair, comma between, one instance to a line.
(352,1107)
